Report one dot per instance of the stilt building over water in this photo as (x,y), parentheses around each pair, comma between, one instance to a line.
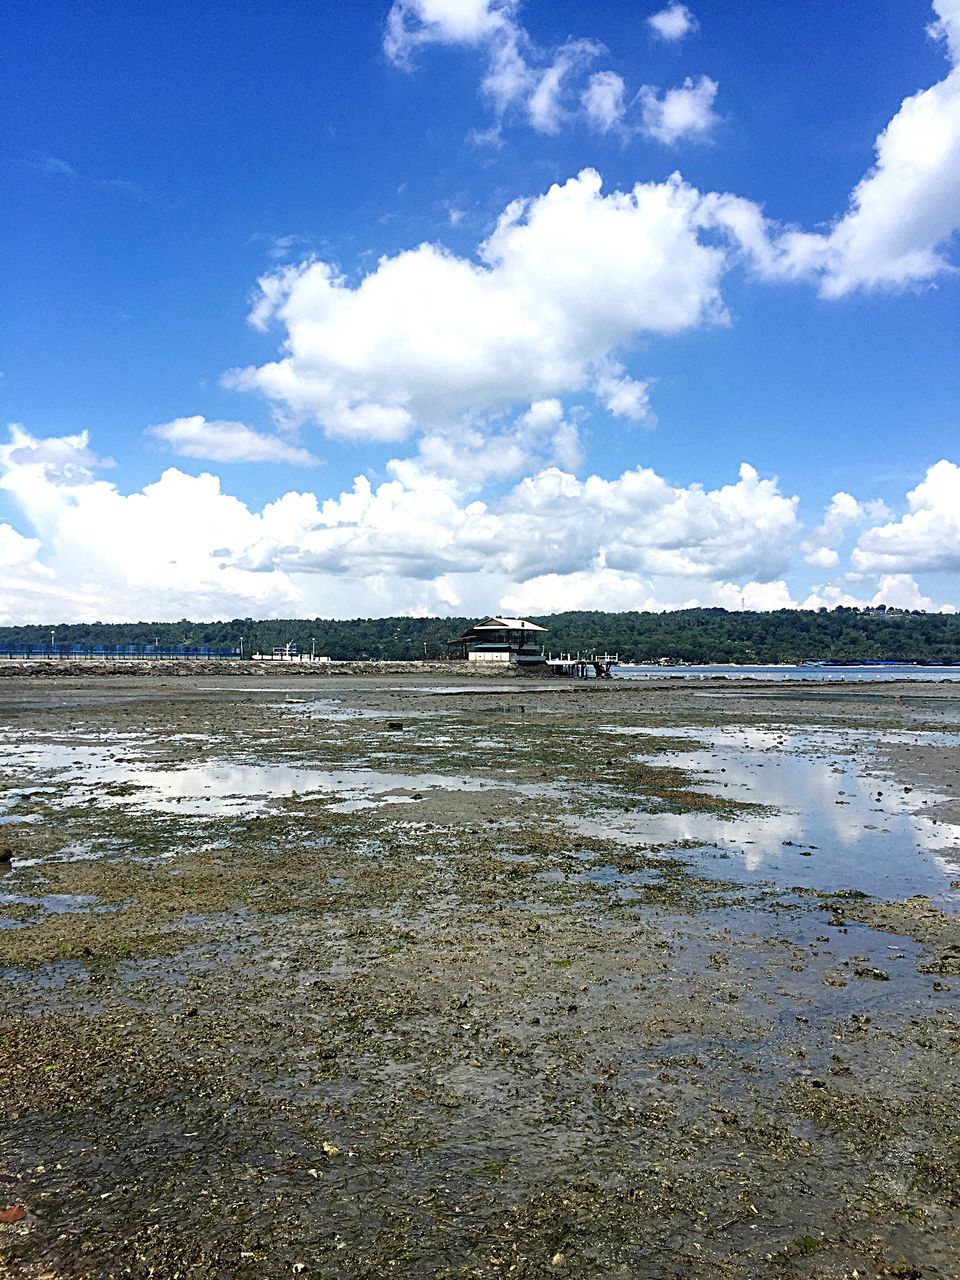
(508,640)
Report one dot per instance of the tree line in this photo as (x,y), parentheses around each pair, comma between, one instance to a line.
(686,635)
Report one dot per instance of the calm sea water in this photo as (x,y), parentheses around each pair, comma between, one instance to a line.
(845,674)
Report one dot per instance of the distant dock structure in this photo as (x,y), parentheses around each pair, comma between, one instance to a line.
(516,642)
(599,665)
(511,641)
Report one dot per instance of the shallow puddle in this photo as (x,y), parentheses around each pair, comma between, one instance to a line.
(830,972)
(833,824)
(215,787)
(49,904)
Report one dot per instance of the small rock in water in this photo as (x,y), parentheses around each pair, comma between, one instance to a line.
(868,971)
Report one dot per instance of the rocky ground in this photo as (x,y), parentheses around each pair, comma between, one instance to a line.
(418,975)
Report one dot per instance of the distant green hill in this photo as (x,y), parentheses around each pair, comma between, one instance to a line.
(688,635)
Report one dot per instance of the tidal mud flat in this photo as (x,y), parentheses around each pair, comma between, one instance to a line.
(426,976)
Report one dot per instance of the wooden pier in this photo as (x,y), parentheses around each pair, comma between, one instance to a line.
(583,668)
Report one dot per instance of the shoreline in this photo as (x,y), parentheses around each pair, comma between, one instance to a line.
(452,669)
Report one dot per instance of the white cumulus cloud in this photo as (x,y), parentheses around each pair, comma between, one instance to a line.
(946,26)
(414,23)
(604,101)
(686,112)
(595,588)
(623,396)
(153,553)
(545,107)
(545,87)
(895,590)
(552,523)
(843,512)
(901,591)
(63,459)
(424,542)
(672,23)
(15,549)
(221,441)
(564,281)
(760,597)
(571,278)
(182,546)
(926,538)
(471,455)
(902,215)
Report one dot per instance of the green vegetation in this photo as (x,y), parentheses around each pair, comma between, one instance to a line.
(687,635)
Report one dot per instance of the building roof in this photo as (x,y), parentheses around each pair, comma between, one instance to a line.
(506,624)
(491,626)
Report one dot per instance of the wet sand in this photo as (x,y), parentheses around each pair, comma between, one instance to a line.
(430,976)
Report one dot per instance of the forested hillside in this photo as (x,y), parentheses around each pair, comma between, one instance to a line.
(689,635)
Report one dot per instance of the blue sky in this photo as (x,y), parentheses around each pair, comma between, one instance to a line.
(464,305)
